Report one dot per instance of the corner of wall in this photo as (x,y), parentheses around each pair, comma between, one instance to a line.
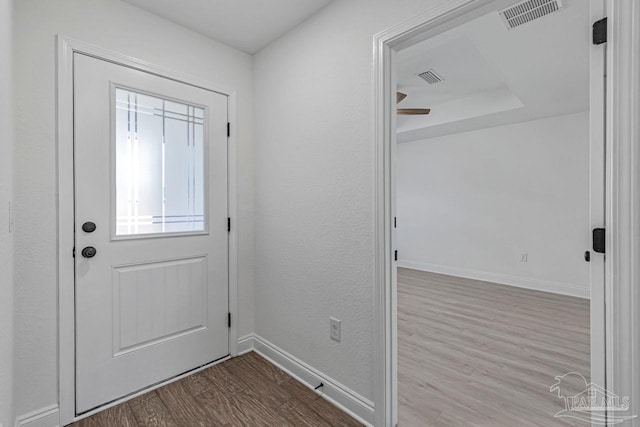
(333,391)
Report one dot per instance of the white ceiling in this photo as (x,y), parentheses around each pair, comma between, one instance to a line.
(247,25)
(495,76)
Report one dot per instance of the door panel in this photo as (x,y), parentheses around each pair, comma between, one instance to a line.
(151,173)
(177,303)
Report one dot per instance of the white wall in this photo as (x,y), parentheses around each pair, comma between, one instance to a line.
(472,203)
(121,27)
(313,183)
(314,186)
(6,239)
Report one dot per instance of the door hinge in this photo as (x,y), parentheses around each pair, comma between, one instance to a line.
(74,252)
(229,224)
(228,129)
(229,320)
(599,240)
(600,31)
(395,255)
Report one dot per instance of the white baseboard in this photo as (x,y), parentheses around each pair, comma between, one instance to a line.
(334,392)
(245,344)
(45,417)
(502,279)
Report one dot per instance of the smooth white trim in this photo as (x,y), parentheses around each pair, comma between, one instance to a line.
(502,279)
(339,395)
(597,195)
(66,296)
(232,206)
(623,203)
(45,417)
(445,15)
(245,344)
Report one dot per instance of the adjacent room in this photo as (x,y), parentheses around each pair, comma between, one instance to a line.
(493,218)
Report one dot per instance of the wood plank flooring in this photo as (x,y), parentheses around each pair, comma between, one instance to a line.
(244,391)
(474,353)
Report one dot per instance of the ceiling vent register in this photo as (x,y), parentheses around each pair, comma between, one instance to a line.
(430,77)
(528,11)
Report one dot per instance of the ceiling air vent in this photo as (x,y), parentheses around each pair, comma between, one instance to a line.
(528,11)
(430,77)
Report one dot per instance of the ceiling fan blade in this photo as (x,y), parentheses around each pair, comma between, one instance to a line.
(413,111)
(400,96)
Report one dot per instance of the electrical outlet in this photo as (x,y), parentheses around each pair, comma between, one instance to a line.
(524,258)
(335,329)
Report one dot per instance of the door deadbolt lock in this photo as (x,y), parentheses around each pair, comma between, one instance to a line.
(89,252)
(89,227)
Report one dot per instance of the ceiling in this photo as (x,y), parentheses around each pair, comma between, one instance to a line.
(247,25)
(495,76)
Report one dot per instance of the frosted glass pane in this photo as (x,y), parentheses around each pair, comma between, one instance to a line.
(160,184)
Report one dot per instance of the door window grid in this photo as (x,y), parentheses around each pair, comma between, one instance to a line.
(160,186)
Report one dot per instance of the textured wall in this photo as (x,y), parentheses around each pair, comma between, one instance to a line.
(121,27)
(6,239)
(474,202)
(314,186)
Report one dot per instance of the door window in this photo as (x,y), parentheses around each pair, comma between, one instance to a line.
(159,165)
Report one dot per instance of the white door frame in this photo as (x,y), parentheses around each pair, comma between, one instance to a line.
(66,47)
(623,202)
(622,270)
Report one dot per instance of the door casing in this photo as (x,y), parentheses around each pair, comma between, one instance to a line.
(66,47)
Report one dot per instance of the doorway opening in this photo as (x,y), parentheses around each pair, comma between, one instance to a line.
(496,177)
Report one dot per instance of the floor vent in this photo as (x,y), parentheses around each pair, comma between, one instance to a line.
(430,77)
(528,11)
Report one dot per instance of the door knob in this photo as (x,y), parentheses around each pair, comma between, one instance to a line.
(89,227)
(89,252)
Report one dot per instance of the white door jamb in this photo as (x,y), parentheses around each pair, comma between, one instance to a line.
(622,269)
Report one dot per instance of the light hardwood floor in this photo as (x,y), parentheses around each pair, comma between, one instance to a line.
(244,391)
(473,353)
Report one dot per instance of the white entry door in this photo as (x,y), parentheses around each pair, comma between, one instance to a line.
(151,239)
